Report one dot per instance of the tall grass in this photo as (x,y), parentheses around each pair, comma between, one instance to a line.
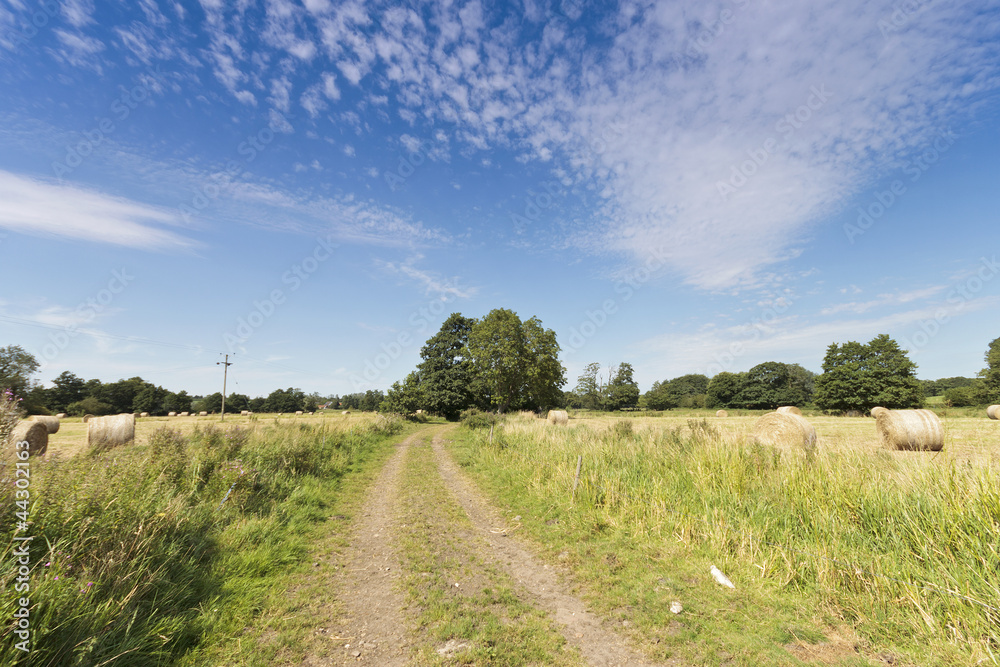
(136,549)
(905,544)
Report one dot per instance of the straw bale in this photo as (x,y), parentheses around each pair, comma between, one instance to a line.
(784,429)
(993,412)
(558,417)
(111,431)
(919,430)
(721,413)
(34,432)
(51,423)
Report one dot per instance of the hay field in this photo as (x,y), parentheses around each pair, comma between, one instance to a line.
(72,436)
(975,439)
(901,545)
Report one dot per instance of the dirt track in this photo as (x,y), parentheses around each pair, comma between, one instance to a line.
(376,626)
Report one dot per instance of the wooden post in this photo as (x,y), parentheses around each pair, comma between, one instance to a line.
(576,480)
(491,435)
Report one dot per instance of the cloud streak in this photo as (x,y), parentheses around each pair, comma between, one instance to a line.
(40,208)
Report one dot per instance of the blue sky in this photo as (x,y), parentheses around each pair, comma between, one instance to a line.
(314,186)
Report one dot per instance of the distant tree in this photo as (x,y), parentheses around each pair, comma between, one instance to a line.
(150,399)
(284,400)
(68,388)
(237,402)
(623,391)
(445,375)
(89,406)
(371,400)
(179,402)
(17,365)
(958,397)
(660,397)
(773,384)
(589,388)
(213,403)
(121,395)
(723,390)
(991,374)
(405,397)
(515,362)
(860,377)
(257,404)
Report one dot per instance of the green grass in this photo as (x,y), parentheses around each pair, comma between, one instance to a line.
(484,612)
(136,559)
(851,538)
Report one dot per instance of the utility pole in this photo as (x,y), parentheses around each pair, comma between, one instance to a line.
(225,372)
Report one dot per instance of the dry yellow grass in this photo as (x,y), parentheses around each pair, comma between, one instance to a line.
(72,436)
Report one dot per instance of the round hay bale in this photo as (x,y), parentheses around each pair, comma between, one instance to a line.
(244,413)
(346,412)
(184,414)
(789,410)
(876,411)
(34,433)
(112,431)
(558,417)
(171,414)
(721,413)
(87,418)
(919,430)
(61,415)
(993,412)
(784,429)
(298,412)
(143,414)
(203,413)
(51,423)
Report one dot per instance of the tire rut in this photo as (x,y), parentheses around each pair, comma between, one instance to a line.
(374,624)
(584,630)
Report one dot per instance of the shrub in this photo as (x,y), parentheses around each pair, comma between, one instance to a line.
(474,419)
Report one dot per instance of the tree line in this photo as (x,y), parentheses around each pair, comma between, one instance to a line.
(75,396)
(501,363)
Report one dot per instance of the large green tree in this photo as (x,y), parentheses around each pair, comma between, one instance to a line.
(17,365)
(589,388)
(772,384)
(516,363)
(724,388)
(68,388)
(861,376)
(991,374)
(444,377)
(405,397)
(623,391)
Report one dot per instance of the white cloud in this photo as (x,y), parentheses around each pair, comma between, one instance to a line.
(40,208)
(432,284)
